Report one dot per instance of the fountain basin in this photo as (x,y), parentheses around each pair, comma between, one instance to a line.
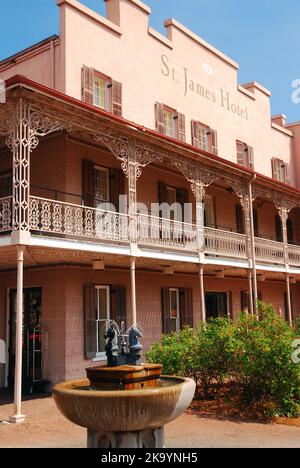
(124,411)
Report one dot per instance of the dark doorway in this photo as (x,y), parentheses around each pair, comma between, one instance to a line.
(216,304)
(32,337)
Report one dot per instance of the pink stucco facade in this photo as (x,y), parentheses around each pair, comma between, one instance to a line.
(186,74)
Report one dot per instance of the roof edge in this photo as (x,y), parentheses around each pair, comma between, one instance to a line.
(29,49)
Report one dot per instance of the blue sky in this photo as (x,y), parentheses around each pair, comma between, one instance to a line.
(262,35)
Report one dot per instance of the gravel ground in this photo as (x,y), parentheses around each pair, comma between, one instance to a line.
(46,428)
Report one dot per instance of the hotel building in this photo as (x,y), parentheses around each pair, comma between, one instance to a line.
(112,108)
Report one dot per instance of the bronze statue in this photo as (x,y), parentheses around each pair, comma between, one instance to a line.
(122,353)
(112,347)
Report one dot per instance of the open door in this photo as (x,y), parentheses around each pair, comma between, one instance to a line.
(32,338)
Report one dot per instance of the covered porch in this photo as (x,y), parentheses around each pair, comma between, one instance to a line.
(51,227)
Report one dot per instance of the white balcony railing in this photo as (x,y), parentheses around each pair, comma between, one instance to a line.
(165,233)
(268,251)
(59,218)
(5,214)
(294,255)
(225,244)
(53,217)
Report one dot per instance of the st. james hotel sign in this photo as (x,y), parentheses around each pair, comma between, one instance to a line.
(182,77)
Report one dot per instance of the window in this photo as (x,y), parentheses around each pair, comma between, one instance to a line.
(5,185)
(169,122)
(279,230)
(170,196)
(102,317)
(280,170)
(101,175)
(204,137)
(216,304)
(101,91)
(177,309)
(245,155)
(101,304)
(240,220)
(209,211)
(101,184)
(174,310)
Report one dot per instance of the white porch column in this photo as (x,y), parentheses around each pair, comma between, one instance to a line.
(252,244)
(250,292)
(133,290)
(18,417)
(284,216)
(202,294)
(199,190)
(289,300)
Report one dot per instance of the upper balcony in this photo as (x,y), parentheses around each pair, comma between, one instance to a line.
(56,219)
(54,193)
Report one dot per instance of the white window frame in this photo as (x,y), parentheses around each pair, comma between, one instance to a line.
(173,123)
(100,355)
(177,319)
(107,83)
(200,137)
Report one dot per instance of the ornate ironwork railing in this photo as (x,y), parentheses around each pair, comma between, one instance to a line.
(5,214)
(225,244)
(166,233)
(268,251)
(53,217)
(294,255)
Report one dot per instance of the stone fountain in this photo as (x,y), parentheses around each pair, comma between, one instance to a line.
(125,404)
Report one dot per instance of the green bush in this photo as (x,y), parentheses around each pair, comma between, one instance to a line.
(254,354)
(216,344)
(176,352)
(297,326)
(263,364)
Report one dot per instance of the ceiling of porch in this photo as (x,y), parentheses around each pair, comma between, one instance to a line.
(37,257)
